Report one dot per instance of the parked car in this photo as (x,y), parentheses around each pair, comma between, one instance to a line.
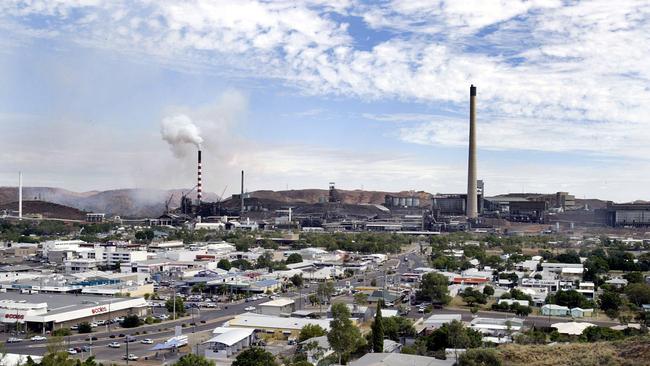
(114,345)
(72,351)
(147,341)
(38,338)
(130,357)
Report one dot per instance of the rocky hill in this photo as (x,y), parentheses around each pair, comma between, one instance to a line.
(47,209)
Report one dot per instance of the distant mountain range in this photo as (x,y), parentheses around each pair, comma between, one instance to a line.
(139,202)
(151,202)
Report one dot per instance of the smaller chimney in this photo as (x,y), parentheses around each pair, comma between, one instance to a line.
(242,194)
(20,195)
(198,183)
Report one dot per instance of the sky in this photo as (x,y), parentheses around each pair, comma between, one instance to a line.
(368,94)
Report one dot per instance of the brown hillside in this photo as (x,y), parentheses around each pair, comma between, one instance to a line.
(47,209)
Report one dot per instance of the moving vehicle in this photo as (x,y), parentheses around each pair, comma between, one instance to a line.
(38,338)
(72,351)
(250,308)
(130,357)
(129,339)
(14,340)
(147,341)
(114,345)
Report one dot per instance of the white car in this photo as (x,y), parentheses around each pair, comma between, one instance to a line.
(72,351)
(250,308)
(163,316)
(38,338)
(147,341)
(114,345)
(131,357)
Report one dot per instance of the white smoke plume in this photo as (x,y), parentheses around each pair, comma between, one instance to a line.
(178,130)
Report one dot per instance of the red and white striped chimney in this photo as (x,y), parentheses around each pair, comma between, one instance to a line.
(198,183)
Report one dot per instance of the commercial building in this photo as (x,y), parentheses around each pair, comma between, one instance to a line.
(278,307)
(46,312)
(227,341)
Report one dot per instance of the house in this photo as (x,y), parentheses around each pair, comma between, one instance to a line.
(497,326)
(272,324)
(277,307)
(438,320)
(554,310)
(363,313)
(617,282)
(228,341)
(587,289)
(580,313)
(316,349)
(513,301)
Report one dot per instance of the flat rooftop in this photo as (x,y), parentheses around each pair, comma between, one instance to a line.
(57,303)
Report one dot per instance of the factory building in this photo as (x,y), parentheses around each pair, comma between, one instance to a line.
(628,214)
(398,201)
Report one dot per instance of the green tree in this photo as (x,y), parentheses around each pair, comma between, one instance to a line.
(294,258)
(84,328)
(242,264)
(325,291)
(193,360)
(634,277)
(224,264)
(131,321)
(638,293)
(360,298)
(396,327)
(479,357)
(297,280)
(378,331)
(311,331)
(434,288)
(180,306)
(198,288)
(265,261)
(255,357)
(488,290)
(472,296)
(344,337)
(610,301)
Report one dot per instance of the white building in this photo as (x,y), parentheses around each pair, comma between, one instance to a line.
(278,307)
(227,341)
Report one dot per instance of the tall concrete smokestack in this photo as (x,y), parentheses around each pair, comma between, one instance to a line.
(472,209)
(242,193)
(198,182)
(20,195)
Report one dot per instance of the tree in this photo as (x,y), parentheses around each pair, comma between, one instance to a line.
(194,360)
(610,301)
(570,298)
(638,293)
(310,331)
(84,327)
(294,258)
(396,327)
(198,288)
(479,357)
(471,296)
(131,321)
(242,264)
(434,288)
(297,280)
(265,261)
(344,337)
(324,291)
(360,298)
(378,331)
(255,357)
(180,306)
(224,264)
(634,277)
(488,290)
(452,335)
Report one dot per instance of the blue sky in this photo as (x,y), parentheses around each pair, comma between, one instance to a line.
(298,94)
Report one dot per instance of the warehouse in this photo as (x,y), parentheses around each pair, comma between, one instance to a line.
(46,312)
